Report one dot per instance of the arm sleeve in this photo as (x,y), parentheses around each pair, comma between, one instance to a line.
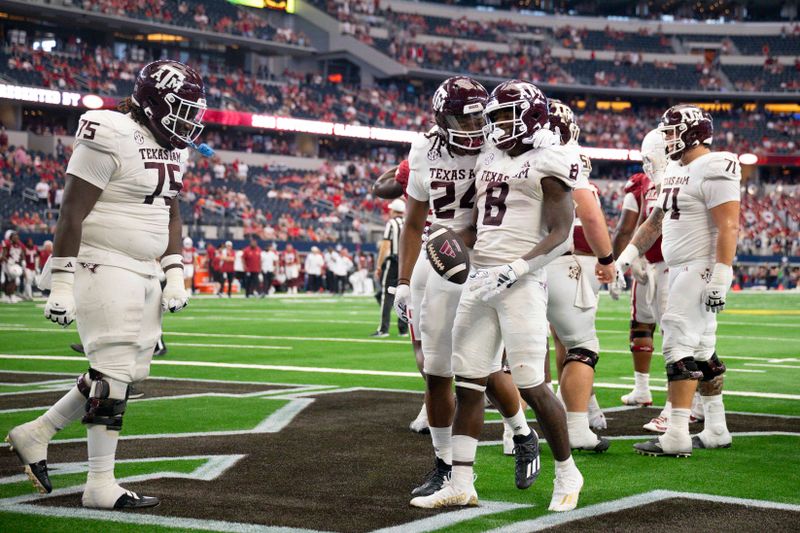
(92,165)
(629,203)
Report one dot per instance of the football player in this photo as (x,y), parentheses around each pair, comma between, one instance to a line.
(13,261)
(188,258)
(442,179)
(573,283)
(31,266)
(120,212)
(522,221)
(697,214)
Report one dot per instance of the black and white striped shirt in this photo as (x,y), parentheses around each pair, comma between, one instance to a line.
(392,234)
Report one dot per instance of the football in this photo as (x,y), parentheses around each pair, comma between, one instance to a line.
(447,253)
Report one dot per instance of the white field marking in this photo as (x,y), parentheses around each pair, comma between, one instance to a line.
(768,365)
(350,371)
(230,336)
(275,319)
(630,502)
(649,436)
(236,346)
(442,520)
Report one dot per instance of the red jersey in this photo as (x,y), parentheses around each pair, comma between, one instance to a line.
(650,197)
(188,255)
(252,259)
(14,253)
(579,242)
(226,259)
(31,254)
(289,258)
(44,255)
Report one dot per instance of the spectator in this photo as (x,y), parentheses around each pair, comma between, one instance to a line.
(314,265)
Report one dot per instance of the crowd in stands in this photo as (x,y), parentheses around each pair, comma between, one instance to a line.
(218,16)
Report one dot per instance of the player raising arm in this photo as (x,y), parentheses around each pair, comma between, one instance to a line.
(697,213)
(119,214)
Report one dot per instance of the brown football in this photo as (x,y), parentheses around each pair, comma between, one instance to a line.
(447,254)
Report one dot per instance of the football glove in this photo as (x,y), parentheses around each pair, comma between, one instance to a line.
(402,301)
(60,306)
(544,137)
(174,297)
(490,282)
(639,270)
(402,172)
(717,288)
(616,287)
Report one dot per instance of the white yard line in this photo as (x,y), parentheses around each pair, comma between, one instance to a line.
(233,346)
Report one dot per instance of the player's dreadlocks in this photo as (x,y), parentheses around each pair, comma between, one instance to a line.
(438,142)
(126,105)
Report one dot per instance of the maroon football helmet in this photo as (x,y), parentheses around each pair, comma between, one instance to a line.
(515,111)
(562,122)
(685,126)
(458,111)
(172,97)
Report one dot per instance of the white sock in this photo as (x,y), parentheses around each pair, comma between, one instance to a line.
(594,406)
(68,409)
(641,381)
(566,467)
(714,411)
(578,428)
(678,422)
(443,443)
(464,449)
(101,486)
(517,423)
(667,410)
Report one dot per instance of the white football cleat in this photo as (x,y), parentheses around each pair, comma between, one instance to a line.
(448,496)
(508,442)
(566,491)
(637,397)
(420,424)
(29,441)
(658,424)
(697,414)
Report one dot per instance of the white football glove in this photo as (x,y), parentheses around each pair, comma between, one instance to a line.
(174,297)
(544,137)
(60,306)
(624,262)
(639,270)
(489,282)
(616,287)
(717,289)
(402,301)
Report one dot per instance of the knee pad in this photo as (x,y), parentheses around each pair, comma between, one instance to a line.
(581,355)
(711,368)
(642,331)
(526,376)
(107,401)
(84,385)
(683,369)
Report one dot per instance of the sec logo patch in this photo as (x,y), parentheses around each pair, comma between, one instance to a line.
(138,137)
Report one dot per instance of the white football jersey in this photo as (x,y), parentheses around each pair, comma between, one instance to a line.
(446,182)
(128,227)
(509,198)
(688,192)
(583,176)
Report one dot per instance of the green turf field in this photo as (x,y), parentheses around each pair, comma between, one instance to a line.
(323,343)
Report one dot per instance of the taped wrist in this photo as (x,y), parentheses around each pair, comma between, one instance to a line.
(63,264)
(174,276)
(520,267)
(722,275)
(62,281)
(627,256)
(172,261)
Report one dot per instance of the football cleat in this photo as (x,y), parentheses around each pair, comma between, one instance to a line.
(526,456)
(379,334)
(448,496)
(134,392)
(508,442)
(653,448)
(131,500)
(635,397)
(566,490)
(434,480)
(77,347)
(658,424)
(706,439)
(602,445)
(420,424)
(32,453)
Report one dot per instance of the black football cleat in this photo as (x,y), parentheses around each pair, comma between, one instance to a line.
(77,347)
(134,392)
(526,456)
(130,501)
(653,448)
(602,445)
(434,480)
(36,472)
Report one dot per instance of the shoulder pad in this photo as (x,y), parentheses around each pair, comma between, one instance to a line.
(101,130)
(721,166)
(637,184)
(562,162)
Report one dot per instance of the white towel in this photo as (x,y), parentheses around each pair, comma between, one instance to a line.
(585,297)
(45,279)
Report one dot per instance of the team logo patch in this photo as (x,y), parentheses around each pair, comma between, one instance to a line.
(488,159)
(574,271)
(447,249)
(138,137)
(706,276)
(433,155)
(168,77)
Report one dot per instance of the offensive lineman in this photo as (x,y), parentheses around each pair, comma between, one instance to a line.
(697,214)
(573,291)
(442,178)
(120,212)
(522,221)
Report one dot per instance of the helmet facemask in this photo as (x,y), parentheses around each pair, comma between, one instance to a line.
(466,131)
(504,123)
(185,119)
(673,139)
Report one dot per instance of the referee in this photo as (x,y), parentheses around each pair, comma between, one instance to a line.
(387,269)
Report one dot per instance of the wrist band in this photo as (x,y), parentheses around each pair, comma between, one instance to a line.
(401,281)
(63,264)
(607,260)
